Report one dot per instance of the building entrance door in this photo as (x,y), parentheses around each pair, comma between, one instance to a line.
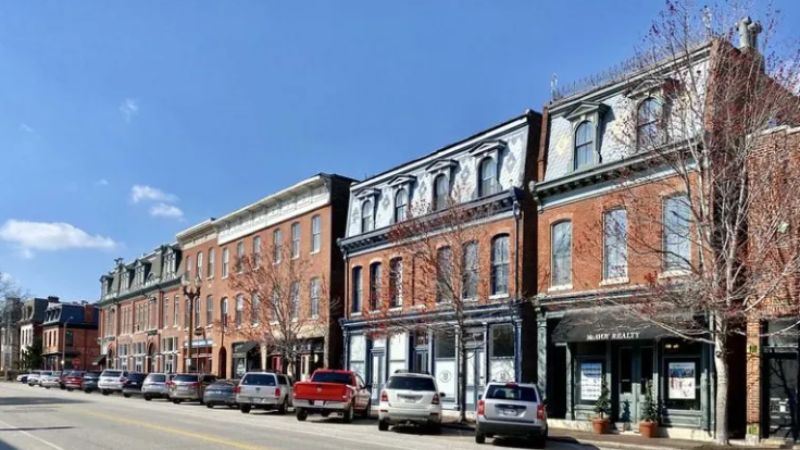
(476,380)
(378,374)
(634,372)
(781,395)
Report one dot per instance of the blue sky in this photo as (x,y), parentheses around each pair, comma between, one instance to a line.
(122,123)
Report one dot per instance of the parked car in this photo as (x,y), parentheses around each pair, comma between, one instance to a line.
(22,378)
(410,398)
(264,390)
(50,380)
(133,384)
(332,391)
(89,381)
(33,377)
(513,410)
(189,387)
(72,379)
(111,381)
(156,386)
(221,392)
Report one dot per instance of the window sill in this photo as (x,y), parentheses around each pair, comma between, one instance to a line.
(560,288)
(396,308)
(614,281)
(499,296)
(673,274)
(355,314)
(314,252)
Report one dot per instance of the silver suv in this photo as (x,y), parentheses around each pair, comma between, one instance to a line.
(112,381)
(156,386)
(410,398)
(511,409)
(264,390)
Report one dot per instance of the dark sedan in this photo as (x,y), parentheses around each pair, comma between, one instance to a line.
(221,393)
(89,381)
(133,384)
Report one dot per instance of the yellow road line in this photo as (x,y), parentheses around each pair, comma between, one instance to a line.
(190,434)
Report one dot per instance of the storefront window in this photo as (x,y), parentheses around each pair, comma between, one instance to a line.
(681,374)
(590,374)
(358,353)
(445,364)
(502,353)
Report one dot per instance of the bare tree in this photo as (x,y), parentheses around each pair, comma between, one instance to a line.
(445,276)
(713,221)
(280,301)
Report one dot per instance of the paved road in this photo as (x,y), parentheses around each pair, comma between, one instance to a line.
(37,418)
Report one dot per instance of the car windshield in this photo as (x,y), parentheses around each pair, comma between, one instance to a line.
(411,383)
(111,373)
(91,375)
(332,377)
(511,392)
(156,378)
(225,384)
(74,373)
(185,377)
(136,376)
(258,379)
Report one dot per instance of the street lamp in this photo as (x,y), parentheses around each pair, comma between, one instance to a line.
(192,292)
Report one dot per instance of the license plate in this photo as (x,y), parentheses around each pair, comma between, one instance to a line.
(508,412)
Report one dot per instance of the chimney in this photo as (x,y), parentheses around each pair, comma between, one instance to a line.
(88,313)
(748,34)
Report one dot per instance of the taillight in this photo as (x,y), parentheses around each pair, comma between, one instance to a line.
(384,396)
(123,380)
(481,408)
(435,400)
(277,392)
(540,413)
(237,389)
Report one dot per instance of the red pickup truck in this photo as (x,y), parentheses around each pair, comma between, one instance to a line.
(332,391)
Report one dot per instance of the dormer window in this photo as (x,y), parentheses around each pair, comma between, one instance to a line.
(584,145)
(648,126)
(487,172)
(400,205)
(367,216)
(441,192)
(140,275)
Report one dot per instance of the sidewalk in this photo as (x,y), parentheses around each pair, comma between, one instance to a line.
(614,441)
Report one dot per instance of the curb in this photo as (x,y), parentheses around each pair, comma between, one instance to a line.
(609,444)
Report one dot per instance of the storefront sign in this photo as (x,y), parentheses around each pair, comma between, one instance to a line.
(620,336)
(681,378)
(591,380)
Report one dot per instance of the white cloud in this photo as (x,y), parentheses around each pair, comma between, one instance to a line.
(129,109)
(50,236)
(165,210)
(140,192)
(27,128)
(101,182)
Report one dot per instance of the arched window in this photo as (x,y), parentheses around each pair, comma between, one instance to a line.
(209,310)
(367,221)
(647,123)
(441,192)
(223,311)
(400,205)
(487,171)
(500,265)
(584,145)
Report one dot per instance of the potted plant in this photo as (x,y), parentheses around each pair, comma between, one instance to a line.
(602,408)
(648,427)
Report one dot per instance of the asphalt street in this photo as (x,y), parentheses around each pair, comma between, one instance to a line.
(38,418)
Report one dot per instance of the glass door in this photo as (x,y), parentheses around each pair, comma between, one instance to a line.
(782,395)
(475,377)
(378,374)
(626,394)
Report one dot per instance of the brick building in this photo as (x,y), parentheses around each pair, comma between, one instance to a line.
(69,336)
(30,325)
(298,225)
(142,313)
(466,202)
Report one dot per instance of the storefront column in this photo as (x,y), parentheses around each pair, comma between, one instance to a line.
(570,383)
(754,382)
(345,349)
(541,352)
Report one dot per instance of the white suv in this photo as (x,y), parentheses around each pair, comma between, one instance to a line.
(511,409)
(264,390)
(410,398)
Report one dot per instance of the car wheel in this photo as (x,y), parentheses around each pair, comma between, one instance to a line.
(126,395)
(147,398)
(301,414)
(347,417)
(209,405)
(69,389)
(88,391)
(325,413)
(480,438)
(176,401)
(245,409)
(283,407)
(202,402)
(383,425)
(105,392)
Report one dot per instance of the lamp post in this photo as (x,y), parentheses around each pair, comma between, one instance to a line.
(192,292)
(64,345)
